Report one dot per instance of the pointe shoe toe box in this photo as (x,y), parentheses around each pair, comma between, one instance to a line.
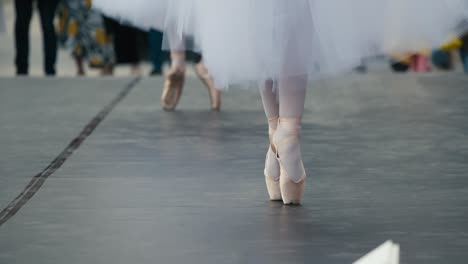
(292,192)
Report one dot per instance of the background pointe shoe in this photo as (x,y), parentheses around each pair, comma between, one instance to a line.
(173,86)
(214,93)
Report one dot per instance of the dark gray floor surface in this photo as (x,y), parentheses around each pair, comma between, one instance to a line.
(386,155)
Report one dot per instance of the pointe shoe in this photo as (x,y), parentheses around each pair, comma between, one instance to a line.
(286,143)
(272,168)
(214,93)
(173,86)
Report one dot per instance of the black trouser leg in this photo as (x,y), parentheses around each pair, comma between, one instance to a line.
(197,58)
(156,55)
(23,12)
(464,52)
(47,10)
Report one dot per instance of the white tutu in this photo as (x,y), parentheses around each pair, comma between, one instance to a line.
(145,14)
(254,40)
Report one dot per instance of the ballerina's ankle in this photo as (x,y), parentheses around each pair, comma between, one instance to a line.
(289,126)
(272,126)
(178,64)
(286,141)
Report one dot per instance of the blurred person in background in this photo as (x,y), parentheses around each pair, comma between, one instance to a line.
(411,61)
(464,45)
(444,58)
(399,63)
(420,62)
(129,44)
(23,12)
(464,51)
(81,29)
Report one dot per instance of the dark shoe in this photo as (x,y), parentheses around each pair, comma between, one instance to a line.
(156,72)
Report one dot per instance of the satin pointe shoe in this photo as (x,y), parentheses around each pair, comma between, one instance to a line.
(288,153)
(173,86)
(272,168)
(214,93)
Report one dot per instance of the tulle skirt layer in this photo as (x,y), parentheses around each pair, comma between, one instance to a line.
(254,40)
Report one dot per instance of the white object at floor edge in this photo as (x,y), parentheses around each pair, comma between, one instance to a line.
(387,253)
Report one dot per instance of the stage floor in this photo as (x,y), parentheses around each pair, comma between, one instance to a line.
(386,156)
